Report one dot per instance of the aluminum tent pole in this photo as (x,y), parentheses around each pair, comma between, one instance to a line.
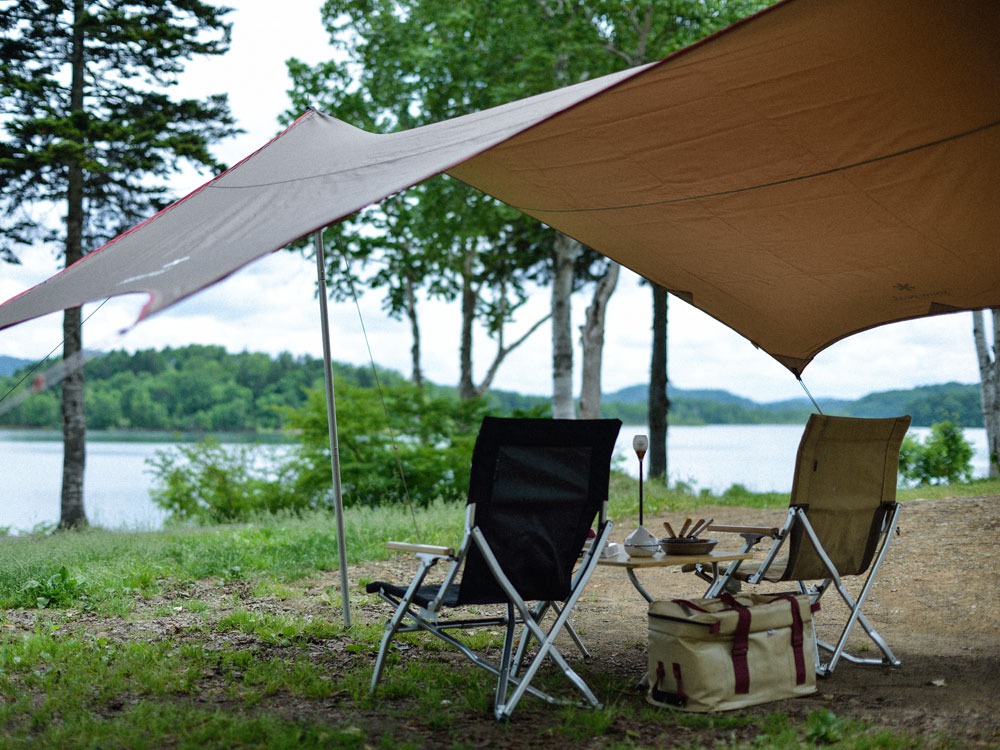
(331,416)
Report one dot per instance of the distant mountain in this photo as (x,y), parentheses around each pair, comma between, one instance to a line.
(10,365)
(957,402)
(637,394)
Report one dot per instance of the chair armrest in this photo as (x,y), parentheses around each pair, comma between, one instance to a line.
(421,549)
(762,530)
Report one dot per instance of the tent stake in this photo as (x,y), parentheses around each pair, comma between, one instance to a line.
(331,416)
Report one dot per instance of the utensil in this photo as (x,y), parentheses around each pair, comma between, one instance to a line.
(699,527)
(670,530)
(684,528)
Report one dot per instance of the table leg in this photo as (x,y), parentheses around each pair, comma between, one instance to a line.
(638,586)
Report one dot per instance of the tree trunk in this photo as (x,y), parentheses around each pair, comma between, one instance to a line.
(466,382)
(659,404)
(411,314)
(593,344)
(74,425)
(566,251)
(989,384)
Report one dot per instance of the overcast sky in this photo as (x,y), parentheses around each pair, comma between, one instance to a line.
(271,307)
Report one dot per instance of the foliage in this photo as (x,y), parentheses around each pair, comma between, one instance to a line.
(419,456)
(58,590)
(415,447)
(199,389)
(187,389)
(944,458)
(82,91)
(210,483)
(400,65)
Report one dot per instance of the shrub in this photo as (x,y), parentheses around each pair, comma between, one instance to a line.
(944,458)
(207,482)
(423,455)
(423,452)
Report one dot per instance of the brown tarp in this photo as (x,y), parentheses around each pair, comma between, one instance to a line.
(820,169)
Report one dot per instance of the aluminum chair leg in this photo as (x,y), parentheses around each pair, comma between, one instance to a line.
(503,681)
(546,641)
(838,651)
(393,625)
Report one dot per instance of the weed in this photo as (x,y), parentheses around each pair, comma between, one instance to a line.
(57,590)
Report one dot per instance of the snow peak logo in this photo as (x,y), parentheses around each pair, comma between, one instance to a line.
(910,293)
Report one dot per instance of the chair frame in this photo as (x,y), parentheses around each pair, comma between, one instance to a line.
(522,623)
(797,517)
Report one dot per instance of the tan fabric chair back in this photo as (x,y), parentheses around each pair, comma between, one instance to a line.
(845,477)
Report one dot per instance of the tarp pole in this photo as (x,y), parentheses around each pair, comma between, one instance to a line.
(331,417)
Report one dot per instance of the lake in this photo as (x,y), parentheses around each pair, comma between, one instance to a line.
(117,481)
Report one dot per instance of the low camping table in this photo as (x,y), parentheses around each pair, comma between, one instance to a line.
(660,560)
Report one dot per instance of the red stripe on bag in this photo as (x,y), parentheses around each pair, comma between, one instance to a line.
(681,695)
(741,645)
(797,639)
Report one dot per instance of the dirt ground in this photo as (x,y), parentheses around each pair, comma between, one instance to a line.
(935,603)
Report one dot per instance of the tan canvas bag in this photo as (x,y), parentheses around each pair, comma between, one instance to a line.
(730,652)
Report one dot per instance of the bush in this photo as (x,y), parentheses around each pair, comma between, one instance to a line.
(422,454)
(210,483)
(944,458)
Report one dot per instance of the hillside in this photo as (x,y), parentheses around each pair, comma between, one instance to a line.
(957,402)
(204,388)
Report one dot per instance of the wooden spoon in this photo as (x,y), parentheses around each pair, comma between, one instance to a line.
(697,525)
(670,530)
(684,528)
(701,527)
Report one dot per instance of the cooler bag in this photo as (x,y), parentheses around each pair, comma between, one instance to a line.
(730,652)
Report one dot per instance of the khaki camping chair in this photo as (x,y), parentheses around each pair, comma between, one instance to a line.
(537,487)
(842,516)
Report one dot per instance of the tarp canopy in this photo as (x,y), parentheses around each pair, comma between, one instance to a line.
(822,168)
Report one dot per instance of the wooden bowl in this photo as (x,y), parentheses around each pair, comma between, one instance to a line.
(687,546)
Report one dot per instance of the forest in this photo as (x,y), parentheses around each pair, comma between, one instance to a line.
(204,389)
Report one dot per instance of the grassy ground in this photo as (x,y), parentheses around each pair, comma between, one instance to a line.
(69,678)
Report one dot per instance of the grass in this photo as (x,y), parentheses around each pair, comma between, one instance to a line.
(229,676)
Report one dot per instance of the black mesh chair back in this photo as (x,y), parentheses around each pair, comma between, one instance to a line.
(538,486)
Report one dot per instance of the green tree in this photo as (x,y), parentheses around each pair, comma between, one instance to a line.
(401,65)
(87,126)
(944,457)
(404,64)
(421,453)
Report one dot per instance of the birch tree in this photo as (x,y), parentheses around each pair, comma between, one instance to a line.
(989,381)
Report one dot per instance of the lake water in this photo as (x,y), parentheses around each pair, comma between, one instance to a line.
(117,481)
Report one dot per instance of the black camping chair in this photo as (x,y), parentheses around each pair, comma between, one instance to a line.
(841,518)
(537,487)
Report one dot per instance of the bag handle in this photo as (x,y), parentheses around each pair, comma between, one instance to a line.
(797,638)
(741,644)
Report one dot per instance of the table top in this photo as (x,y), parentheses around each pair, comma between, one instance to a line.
(660,560)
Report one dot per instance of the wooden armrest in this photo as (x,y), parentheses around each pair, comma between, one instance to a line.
(763,530)
(421,549)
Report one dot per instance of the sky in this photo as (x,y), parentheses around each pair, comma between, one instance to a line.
(271,306)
